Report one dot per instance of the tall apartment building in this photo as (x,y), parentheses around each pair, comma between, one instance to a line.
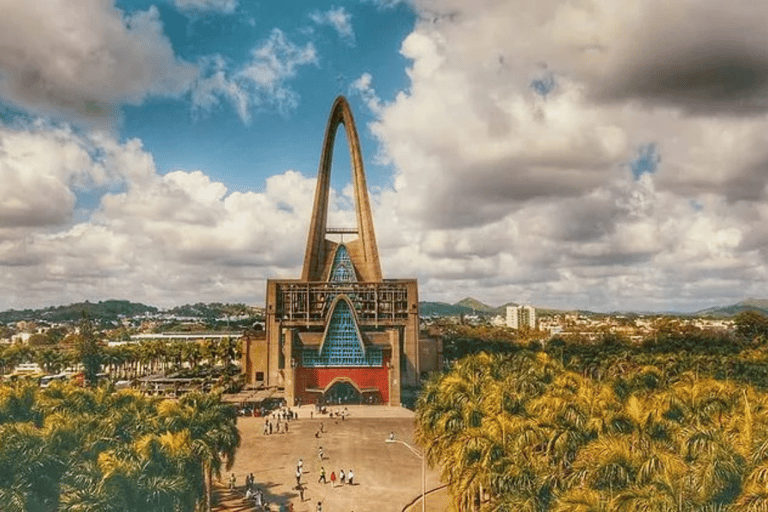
(521,316)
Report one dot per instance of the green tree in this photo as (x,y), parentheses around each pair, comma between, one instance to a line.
(751,325)
(88,351)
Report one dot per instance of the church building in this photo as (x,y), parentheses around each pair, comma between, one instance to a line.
(341,333)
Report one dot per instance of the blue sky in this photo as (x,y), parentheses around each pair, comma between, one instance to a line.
(242,153)
(567,155)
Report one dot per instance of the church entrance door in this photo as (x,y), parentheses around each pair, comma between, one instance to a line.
(342,392)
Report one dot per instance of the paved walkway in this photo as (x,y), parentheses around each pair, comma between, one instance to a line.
(387,475)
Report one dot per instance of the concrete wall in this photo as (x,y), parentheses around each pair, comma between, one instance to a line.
(254,358)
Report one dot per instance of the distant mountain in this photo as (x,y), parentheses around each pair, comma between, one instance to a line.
(758,305)
(467,306)
(102,310)
(502,310)
(475,305)
(427,309)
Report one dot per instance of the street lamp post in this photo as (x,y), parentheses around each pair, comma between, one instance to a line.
(391,439)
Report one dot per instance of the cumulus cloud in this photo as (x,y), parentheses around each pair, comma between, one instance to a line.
(339,19)
(40,169)
(158,238)
(260,82)
(524,163)
(223,6)
(84,61)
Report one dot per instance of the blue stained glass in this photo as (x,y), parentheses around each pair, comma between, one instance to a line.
(342,345)
(342,270)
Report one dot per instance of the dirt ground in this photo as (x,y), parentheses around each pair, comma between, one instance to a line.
(387,475)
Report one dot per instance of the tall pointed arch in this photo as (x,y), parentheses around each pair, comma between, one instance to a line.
(364,251)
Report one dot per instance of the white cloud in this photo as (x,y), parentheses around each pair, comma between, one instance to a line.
(223,6)
(40,170)
(262,81)
(363,87)
(339,19)
(82,60)
(508,194)
(159,239)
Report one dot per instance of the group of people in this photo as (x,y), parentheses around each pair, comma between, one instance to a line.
(276,428)
(279,421)
(251,491)
(342,478)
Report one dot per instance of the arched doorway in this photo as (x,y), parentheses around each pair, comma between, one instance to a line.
(342,392)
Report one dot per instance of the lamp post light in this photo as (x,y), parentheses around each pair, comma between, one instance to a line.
(391,439)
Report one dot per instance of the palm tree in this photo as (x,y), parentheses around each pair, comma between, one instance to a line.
(29,471)
(212,429)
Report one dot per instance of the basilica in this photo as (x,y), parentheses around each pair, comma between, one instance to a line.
(341,333)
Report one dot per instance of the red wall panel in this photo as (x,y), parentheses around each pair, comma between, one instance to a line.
(321,377)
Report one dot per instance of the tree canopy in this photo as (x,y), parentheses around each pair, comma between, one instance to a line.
(521,432)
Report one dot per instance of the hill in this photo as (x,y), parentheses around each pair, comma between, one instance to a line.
(758,305)
(427,309)
(102,310)
(475,305)
(467,306)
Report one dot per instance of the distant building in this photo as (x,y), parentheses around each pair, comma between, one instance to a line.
(521,316)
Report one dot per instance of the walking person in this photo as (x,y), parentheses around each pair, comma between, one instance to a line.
(350,476)
(333,479)
(341,477)
(322,475)
(232,481)
(320,452)
(300,465)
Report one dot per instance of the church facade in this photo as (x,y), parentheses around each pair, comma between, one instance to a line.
(341,333)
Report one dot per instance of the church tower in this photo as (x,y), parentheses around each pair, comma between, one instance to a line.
(363,251)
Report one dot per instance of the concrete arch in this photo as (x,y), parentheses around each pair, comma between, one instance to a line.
(336,380)
(366,259)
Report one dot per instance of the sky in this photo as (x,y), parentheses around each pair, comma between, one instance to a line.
(568,154)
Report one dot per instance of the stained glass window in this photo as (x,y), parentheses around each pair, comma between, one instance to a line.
(342,270)
(342,345)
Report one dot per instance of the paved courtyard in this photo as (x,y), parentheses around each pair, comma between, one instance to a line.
(387,476)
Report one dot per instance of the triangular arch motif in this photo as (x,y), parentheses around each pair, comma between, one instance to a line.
(342,270)
(367,263)
(342,345)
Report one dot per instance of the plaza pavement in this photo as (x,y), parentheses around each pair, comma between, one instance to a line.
(387,475)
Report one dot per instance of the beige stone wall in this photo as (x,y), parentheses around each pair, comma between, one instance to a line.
(254,358)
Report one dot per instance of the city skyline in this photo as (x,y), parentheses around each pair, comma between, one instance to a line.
(571,156)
